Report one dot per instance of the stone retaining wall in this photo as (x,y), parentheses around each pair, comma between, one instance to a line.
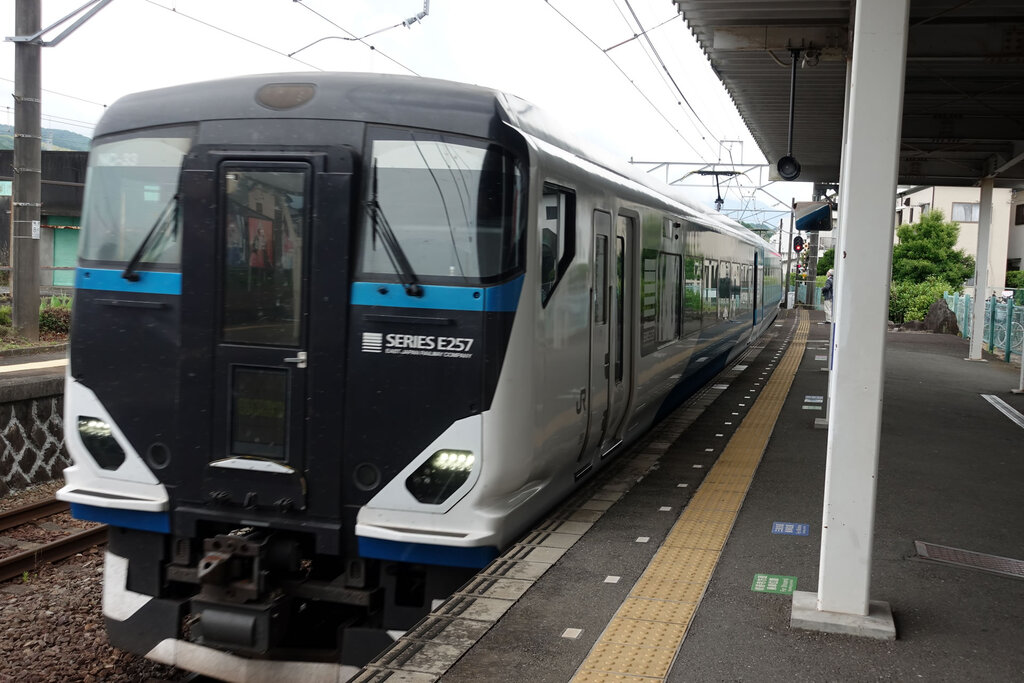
(31,432)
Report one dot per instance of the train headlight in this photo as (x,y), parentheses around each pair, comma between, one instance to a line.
(99,439)
(440,476)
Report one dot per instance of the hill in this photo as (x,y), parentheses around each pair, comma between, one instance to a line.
(53,139)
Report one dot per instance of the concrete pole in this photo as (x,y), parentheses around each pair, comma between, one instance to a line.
(812,268)
(869,176)
(981,269)
(27,194)
(789,253)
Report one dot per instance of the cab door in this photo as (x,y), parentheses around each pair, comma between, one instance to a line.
(261,352)
(262,370)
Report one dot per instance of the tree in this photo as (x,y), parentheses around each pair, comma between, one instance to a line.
(926,250)
(826,261)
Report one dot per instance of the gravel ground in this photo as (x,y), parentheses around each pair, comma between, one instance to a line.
(51,625)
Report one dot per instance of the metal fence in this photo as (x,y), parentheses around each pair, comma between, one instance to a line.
(800,287)
(1004,321)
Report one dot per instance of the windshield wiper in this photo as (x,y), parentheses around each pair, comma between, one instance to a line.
(399,261)
(158,230)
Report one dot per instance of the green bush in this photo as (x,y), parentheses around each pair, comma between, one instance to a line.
(911,300)
(55,320)
(1015,279)
(5,316)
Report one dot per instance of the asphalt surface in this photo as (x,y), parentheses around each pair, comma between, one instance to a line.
(951,472)
(951,469)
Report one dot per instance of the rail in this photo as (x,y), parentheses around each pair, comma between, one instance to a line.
(30,513)
(29,560)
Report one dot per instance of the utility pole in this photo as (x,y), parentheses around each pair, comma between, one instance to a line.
(789,254)
(26,200)
(28,161)
(812,268)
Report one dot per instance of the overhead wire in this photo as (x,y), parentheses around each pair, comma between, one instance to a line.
(637,35)
(357,38)
(233,35)
(663,72)
(54,92)
(626,76)
(667,72)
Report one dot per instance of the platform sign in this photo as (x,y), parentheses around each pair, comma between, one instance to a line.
(791,529)
(772,583)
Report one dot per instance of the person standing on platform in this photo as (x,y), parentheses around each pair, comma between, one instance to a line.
(826,295)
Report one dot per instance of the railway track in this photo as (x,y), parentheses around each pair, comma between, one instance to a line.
(31,512)
(51,551)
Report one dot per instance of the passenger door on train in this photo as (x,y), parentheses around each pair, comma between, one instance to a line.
(601,293)
(621,328)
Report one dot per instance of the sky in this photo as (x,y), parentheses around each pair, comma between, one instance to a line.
(579,60)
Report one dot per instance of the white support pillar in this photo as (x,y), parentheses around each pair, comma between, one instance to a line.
(864,257)
(981,269)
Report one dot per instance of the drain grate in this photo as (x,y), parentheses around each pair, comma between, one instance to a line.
(1003,566)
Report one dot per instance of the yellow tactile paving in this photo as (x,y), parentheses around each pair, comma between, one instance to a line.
(712,515)
(718,498)
(642,639)
(660,582)
(696,534)
(657,610)
(605,677)
(630,659)
(649,633)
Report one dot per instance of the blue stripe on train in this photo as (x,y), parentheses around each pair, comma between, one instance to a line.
(425,553)
(497,299)
(128,519)
(149,282)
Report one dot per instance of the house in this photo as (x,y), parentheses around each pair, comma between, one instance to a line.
(962,204)
(63,180)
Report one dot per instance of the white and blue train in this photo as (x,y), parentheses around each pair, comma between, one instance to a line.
(339,339)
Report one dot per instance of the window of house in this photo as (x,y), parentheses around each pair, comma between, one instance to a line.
(966,213)
(1018,214)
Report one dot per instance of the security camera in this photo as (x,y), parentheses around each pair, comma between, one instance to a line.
(788,168)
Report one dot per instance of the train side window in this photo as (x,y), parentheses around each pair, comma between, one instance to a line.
(692,304)
(669,280)
(601,280)
(557,221)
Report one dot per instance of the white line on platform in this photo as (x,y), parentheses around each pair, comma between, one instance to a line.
(34,366)
(1005,408)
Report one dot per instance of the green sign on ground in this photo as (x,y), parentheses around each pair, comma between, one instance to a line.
(772,583)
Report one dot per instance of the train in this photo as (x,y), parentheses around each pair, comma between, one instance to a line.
(339,339)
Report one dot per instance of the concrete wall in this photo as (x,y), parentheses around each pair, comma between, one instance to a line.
(1015,245)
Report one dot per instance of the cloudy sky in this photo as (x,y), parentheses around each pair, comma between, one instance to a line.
(577,59)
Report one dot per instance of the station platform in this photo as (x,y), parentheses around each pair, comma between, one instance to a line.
(650,573)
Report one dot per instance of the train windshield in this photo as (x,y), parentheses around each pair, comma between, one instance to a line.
(131,186)
(453,205)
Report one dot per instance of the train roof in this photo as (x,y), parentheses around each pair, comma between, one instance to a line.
(386,99)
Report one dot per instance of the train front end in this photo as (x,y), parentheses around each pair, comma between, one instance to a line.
(294,298)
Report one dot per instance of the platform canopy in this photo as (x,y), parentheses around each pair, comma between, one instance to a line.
(963,108)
